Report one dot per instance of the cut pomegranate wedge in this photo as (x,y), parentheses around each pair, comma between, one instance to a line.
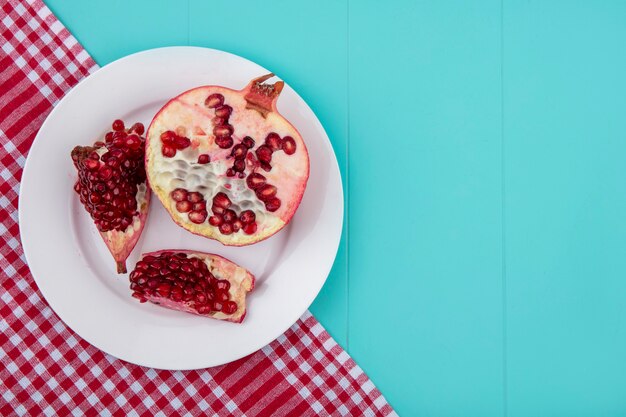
(112,187)
(225,164)
(195,282)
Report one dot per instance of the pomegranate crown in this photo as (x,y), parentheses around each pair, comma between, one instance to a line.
(261,96)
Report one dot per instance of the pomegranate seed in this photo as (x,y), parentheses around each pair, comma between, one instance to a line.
(183,206)
(201,206)
(250,228)
(176,294)
(247,216)
(133,142)
(113,162)
(108,138)
(218,121)
(195,197)
(229,216)
(91,164)
(179,194)
(229,307)
(241,175)
(221,200)
(224,142)
(248,142)
(137,128)
(266,167)
(221,296)
(239,151)
(226,228)
(230,172)
(222,285)
(223,130)
(255,180)
(105,173)
(272,205)
(217,209)
(204,309)
(168,151)
(118,125)
(201,298)
(216,220)
(239,165)
(164,290)
(289,145)
(217,306)
(94,156)
(237,225)
(204,159)
(273,141)
(140,297)
(214,100)
(181,142)
(197,217)
(168,137)
(264,153)
(266,192)
(223,111)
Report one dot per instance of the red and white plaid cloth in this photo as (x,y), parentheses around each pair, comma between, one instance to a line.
(46,369)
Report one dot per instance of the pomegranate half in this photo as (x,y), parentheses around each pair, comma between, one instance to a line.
(225,164)
(112,187)
(194,282)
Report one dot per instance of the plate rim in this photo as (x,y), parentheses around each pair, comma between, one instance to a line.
(27,173)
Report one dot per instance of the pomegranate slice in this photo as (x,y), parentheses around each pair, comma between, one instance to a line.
(225,164)
(195,282)
(112,187)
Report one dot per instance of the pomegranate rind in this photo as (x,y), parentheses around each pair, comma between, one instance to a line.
(241,282)
(122,243)
(289,173)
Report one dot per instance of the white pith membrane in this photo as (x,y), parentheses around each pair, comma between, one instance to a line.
(188,116)
(121,243)
(241,282)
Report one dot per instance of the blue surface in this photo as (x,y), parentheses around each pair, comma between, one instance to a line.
(483,147)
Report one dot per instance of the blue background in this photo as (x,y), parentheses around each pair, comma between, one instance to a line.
(483,150)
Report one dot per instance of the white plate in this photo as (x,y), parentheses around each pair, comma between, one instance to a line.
(73,268)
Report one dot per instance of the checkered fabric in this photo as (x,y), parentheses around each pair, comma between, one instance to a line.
(46,369)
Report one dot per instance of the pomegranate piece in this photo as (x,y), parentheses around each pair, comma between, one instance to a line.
(112,187)
(253,181)
(194,282)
